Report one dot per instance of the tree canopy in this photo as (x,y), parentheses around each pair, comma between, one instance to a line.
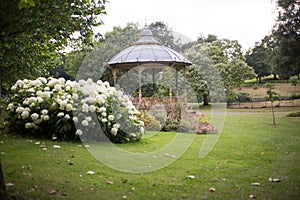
(34,33)
(287,36)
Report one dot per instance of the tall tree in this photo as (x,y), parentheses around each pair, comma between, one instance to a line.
(163,33)
(259,59)
(34,32)
(91,63)
(228,58)
(287,36)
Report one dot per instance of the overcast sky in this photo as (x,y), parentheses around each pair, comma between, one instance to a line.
(247,21)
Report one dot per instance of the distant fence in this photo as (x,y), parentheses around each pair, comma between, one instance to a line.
(265,104)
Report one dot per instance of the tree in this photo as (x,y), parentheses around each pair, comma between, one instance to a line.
(258,59)
(90,63)
(163,34)
(227,56)
(287,36)
(294,82)
(271,96)
(34,33)
(203,75)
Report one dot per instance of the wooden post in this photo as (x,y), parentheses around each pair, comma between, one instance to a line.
(140,84)
(115,76)
(184,89)
(153,81)
(170,86)
(177,84)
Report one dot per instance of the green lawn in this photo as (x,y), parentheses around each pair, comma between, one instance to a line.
(249,150)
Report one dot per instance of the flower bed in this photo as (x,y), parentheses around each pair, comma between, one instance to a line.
(66,110)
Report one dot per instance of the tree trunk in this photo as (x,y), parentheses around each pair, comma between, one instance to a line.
(3,193)
(259,79)
(0,84)
(275,77)
(273,114)
(205,100)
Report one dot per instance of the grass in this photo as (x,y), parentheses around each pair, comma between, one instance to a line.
(249,150)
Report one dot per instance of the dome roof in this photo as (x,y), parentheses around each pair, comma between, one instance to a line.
(148,50)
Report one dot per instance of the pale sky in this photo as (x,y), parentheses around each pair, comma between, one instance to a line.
(247,21)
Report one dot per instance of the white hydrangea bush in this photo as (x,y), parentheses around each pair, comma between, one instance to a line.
(60,109)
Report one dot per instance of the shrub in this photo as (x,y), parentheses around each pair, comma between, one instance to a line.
(59,109)
(151,123)
(294,114)
(198,124)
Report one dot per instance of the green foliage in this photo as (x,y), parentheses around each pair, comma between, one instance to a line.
(34,33)
(163,34)
(294,114)
(271,94)
(259,59)
(287,38)
(151,123)
(88,63)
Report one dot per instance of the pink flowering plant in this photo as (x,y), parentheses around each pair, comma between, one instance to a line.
(68,110)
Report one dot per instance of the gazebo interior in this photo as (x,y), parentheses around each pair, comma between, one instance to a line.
(148,56)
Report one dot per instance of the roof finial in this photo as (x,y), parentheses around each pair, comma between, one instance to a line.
(146,24)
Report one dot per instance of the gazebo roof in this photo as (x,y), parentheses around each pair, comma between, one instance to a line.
(148,50)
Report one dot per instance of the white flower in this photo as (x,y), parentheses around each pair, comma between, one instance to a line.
(75,96)
(47,95)
(69,107)
(114,131)
(106,84)
(25,114)
(68,88)
(19,83)
(62,80)
(39,93)
(11,107)
(85,123)
(34,116)
(57,87)
(142,123)
(32,99)
(117,126)
(132,135)
(44,112)
(29,125)
(104,120)
(40,99)
(42,79)
(61,114)
(110,117)
(78,132)
(45,117)
(104,114)
(32,105)
(46,89)
(89,118)
(100,100)
(13,87)
(85,107)
(30,90)
(67,116)
(19,109)
(92,108)
(102,109)
(63,104)
(75,119)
